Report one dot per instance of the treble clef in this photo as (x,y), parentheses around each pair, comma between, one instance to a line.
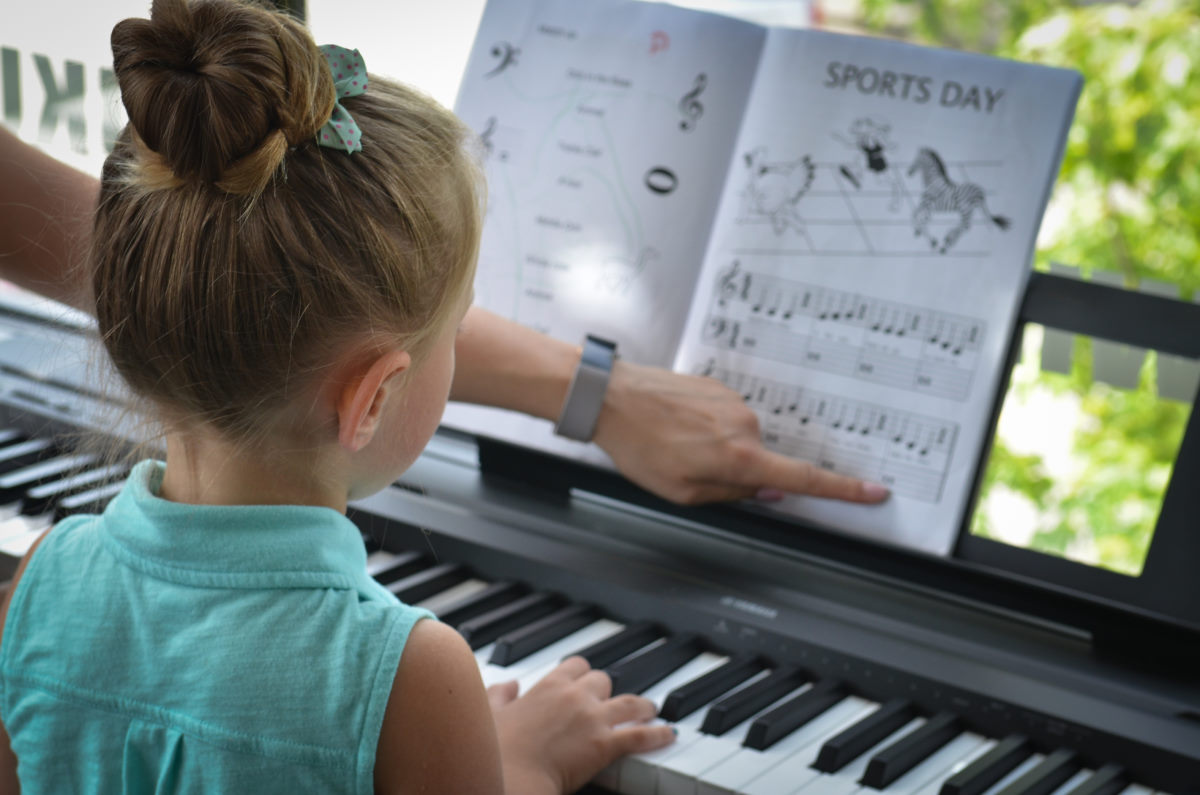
(689,104)
(726,289)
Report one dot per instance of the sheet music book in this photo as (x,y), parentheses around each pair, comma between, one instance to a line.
(838,227)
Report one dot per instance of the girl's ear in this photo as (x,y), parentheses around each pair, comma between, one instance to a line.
(362,397)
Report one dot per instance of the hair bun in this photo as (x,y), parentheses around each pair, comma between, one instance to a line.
(218,89)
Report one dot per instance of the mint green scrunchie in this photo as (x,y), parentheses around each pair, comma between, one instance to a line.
(350,80)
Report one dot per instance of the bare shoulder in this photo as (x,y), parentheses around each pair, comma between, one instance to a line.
(438,734)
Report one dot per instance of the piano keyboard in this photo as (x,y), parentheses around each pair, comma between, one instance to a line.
(747,724)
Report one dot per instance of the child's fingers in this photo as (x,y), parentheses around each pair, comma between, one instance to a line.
(628,708)
(503,693)
(638,739)
(572,668)
(598,683)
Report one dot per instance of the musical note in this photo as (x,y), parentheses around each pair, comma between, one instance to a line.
(485,137)
(849,333)
(659,41)
(689,104)
(507,55)
(726,289)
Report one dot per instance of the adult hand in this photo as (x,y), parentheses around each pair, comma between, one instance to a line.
(568,728)
(691,440)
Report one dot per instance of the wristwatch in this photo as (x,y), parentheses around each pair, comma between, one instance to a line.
(585,397)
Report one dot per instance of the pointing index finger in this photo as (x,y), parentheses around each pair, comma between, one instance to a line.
(774,471)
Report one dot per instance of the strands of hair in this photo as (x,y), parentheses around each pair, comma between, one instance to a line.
(233,258)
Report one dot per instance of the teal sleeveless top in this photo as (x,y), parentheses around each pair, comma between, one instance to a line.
(169,648)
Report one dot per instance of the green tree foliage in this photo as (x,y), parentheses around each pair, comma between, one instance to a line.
(1127,201)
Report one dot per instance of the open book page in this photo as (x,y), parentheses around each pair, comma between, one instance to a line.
(607,127)
(873,242)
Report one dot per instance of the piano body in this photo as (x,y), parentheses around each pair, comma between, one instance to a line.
(791,659)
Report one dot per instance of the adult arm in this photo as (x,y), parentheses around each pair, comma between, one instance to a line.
(45,220)
(686,438)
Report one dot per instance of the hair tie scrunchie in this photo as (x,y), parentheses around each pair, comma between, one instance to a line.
(349,80)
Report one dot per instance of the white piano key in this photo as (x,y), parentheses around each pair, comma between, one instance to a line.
(695,668)
(1029,764)
(15,526)
(18,546)
(935,767)
(639,772)
(798,750)
(379,561)
(1073,782)
(845,781)
(439,601)
(934,786)
(530,670)
(678,775)
(796,771)
(482,654)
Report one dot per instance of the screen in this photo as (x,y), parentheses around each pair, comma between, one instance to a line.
(1085,447)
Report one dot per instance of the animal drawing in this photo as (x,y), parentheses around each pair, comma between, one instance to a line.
(775,188)
(942,194)
(870,140)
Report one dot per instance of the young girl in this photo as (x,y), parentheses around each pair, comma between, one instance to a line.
(282,253)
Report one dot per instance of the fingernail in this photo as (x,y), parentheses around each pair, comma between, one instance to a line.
(769,495)
(674,731)
(875,491)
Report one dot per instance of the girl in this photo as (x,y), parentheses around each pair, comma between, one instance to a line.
(282,254)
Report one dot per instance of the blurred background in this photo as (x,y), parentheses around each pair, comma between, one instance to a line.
(1089,429)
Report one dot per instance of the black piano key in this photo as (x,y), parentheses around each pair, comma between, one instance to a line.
(1047,776)
(686,699)
(906,753)
(404,564)
(480,602)
(483,629)
(10,435)
(635,674)
(41,499)
(13,485)
(1108,780)
(989,768)
(604,653)
(20,454)
(737,707)
(537,635)
(771,727)
(93,499)
(426,583)
(371,543)
(841,750)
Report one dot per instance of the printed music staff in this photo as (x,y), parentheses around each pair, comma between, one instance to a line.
(884,342)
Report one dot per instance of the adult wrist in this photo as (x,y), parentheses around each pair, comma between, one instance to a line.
(585,396)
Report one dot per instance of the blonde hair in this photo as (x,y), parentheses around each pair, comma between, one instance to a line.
(232,256)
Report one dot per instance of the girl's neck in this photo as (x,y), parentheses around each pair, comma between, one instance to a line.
(203,470)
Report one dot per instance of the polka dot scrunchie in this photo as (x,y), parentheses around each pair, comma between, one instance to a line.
(350,80)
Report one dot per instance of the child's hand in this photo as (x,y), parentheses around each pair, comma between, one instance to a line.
(567,729)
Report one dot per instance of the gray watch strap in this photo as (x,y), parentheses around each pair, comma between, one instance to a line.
(585,397)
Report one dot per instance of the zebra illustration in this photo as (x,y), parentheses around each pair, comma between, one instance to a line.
(941,194)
